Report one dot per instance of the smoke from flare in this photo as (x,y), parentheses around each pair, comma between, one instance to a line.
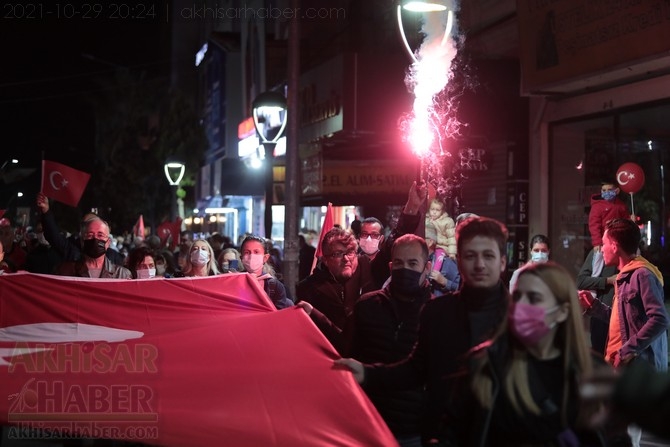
(427,77)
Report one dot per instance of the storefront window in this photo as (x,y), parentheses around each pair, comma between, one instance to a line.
(586,152)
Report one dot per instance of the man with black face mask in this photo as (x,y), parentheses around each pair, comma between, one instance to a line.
(93,263)
(384,328)
(450,326)
(68,248)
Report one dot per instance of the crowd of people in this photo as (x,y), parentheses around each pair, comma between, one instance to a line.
(94,252)
(450,350)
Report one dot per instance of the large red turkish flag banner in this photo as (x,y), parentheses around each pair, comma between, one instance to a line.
(63,183)
(173,362)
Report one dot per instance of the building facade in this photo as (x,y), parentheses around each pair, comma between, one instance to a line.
(564,94)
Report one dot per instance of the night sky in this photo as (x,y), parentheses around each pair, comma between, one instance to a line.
(51,67)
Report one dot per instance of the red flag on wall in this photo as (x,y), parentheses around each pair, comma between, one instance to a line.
(328,224)
(63,183)
(173,362)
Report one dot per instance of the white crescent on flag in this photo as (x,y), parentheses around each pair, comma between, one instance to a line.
(51,179)
(59,333)
(65,332)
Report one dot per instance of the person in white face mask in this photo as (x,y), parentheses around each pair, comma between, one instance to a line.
(200,260)
(164,264)
(141,263)
(539,253)
(254,251)
(371,237)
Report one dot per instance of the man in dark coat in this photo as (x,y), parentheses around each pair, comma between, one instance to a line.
(449,327)
(385,328)
(336,283)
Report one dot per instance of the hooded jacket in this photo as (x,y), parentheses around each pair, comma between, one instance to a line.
(602,211)
(643,319)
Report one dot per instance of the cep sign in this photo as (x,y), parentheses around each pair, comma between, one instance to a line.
(473,159)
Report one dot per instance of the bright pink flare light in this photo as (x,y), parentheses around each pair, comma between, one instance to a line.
(427,77)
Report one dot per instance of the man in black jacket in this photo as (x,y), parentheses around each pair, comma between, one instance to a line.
(336,283)
(68,248)
(449,327)
(385,328)
(342,274)
(601,287)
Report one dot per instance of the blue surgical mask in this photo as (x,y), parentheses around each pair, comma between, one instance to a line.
(608,195)
(539,256)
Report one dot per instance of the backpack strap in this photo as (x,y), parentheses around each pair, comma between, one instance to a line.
(271,288)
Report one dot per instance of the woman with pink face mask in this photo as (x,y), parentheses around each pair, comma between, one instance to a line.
(525,381)
(255,255)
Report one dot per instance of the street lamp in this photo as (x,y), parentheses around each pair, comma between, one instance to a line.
(424,6)
(419,6)
(269,114)
(174,172)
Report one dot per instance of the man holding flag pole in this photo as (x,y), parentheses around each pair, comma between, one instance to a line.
(342,276)
(66,185)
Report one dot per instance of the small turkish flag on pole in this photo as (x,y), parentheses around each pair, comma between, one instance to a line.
(63,183)
(328,224)
(138,228)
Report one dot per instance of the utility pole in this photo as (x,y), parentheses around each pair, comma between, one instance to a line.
(292,185)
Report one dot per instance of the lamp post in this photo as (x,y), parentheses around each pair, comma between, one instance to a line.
(174,172)
(428,76)
(424,7)
(269,115)
(292,193)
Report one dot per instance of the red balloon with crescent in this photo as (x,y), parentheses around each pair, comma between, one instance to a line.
(630,177)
